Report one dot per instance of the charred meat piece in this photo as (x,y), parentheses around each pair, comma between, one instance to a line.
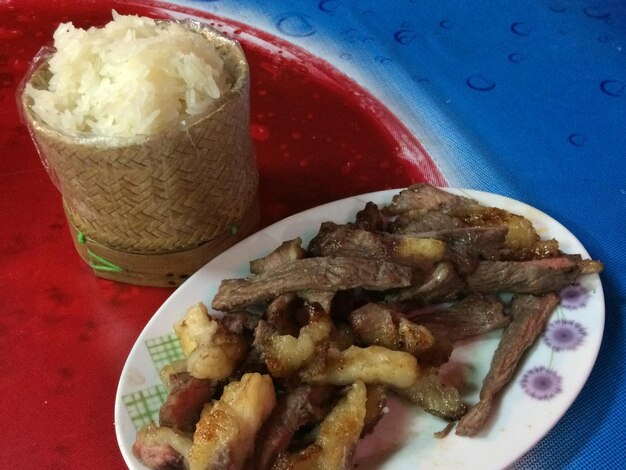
(344,240)
(281,314)
(161,448)
(424,197)
(370,218)
(530,315)
(239,322)
(473,315)
(324,273)
(434,396)
(294,409)
(287,251)
(442,284)
(420,222)
(377,324)
(526,277)
(185,401)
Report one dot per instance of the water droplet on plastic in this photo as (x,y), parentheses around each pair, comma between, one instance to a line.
(405,36)
(296,135)
(10,33)
(516,57)
(18,65)
(382,60)
(446,24)
(295,24)
(558,7)
(480,83)
(596,13)
(345,56)
(328,6)
(521,29)
(259,132)
(6,80)
(577,140)
(612,88)
(347,167)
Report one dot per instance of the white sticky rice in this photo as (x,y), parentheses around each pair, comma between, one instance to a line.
(132,77)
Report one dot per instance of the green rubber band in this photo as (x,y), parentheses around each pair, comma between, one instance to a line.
(99,267)
(82,239)
(105,266)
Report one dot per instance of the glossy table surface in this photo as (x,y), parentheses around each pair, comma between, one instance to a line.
(346,98)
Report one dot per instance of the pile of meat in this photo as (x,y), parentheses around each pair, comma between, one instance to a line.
(298,368)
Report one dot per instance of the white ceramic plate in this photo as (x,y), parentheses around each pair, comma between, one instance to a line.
(545,385)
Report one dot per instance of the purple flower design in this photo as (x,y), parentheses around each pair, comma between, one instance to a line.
(574,296)
(564,335)
(541,383)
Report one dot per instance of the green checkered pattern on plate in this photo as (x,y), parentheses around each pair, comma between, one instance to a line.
(164,350)
(143,406)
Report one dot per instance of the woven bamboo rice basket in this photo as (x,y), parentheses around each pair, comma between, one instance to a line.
(152,210)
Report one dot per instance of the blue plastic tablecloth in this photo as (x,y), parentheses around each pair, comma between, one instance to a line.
(525,99)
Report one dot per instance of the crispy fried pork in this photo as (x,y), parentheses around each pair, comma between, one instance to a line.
(161,448)
(378,324)
(224,437)
(371,365)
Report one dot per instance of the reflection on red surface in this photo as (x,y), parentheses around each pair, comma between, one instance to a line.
(64,334)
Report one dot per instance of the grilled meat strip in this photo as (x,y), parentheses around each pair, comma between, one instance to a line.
(287,251)
(424,197)
(370,218)
(443,284)
(471,316)
(322,273)
(530,315)
(419,222)
(527,277)
(434,396)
